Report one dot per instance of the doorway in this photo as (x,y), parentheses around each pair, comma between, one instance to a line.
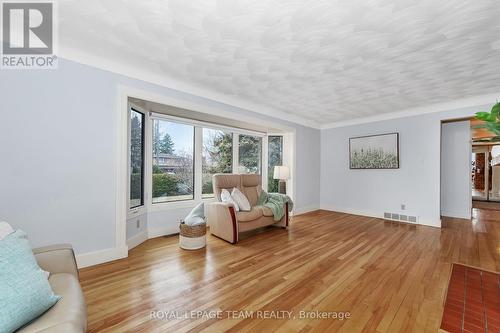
(485,172)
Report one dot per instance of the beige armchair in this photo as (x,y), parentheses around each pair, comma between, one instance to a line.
(225,222)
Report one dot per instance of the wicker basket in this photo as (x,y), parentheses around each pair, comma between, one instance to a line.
(192,237)
(193,231)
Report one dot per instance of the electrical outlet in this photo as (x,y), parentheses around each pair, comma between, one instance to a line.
(403,206)
(138,224)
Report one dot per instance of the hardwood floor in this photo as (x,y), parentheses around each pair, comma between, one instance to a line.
(390,277)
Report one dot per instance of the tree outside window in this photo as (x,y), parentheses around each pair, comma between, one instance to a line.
(217,157)
(250,154)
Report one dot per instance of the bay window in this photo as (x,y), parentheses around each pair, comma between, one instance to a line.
(173,159)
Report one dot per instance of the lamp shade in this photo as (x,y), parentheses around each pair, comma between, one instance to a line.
(281,172)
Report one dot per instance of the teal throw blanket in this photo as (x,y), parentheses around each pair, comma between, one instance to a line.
(276,202)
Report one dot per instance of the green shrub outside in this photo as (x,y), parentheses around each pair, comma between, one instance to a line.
(164,184)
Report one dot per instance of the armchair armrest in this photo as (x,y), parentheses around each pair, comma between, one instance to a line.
(57,259)
(221,218)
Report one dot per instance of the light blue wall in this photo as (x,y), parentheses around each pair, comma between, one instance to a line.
(57,132)
(132,229)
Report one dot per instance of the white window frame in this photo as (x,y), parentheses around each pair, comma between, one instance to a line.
(138,210)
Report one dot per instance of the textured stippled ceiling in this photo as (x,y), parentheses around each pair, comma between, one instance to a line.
(324,61)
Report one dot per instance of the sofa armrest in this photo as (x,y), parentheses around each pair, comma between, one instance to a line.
(57,259)
(221,218)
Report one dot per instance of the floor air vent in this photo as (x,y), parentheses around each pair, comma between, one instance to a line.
(400,217)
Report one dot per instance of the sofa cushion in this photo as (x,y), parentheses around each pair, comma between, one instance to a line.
(226,197)
(224,181)
(254,214)
(251,186)
(252,194)
(69,312)
(241,200)
(266,211)
(25,292)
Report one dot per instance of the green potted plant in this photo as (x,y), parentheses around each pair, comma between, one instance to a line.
(491,121)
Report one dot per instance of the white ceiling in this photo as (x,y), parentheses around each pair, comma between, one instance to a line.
(314,62)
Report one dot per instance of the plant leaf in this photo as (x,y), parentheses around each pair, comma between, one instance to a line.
(494,127)
(495,110)
(483,116)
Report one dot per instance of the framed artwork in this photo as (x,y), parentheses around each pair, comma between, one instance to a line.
(374,152)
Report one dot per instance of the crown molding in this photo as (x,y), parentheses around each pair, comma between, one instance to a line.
(198,91)
(431,108)
(178,85)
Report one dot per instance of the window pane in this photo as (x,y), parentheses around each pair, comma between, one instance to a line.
(217,157)
(250,148)
(173,165)
(275,157)
(136,159)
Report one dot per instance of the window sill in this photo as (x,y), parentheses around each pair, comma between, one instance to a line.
(173,205)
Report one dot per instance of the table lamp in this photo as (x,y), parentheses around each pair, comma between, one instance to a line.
(282,173)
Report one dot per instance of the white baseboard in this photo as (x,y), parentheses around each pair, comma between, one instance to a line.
(303,210)
(379,215)
(352,211)
(163,231)
(101,256)
(455,214)
(137,239)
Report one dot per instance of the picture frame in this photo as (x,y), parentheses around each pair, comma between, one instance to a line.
(380,151)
